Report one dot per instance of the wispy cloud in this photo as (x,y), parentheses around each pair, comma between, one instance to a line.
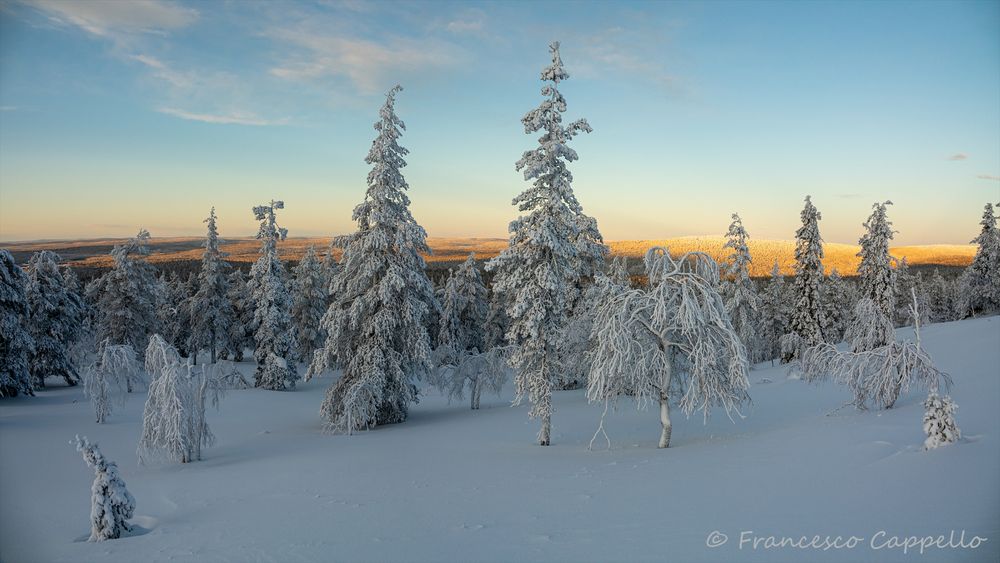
(989,177)
(626,51)
(366,64)
(105,18)
(958,156)
(9,108)
(224,119)
(470,21)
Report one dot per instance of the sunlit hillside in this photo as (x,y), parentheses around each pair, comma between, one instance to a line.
(446,251)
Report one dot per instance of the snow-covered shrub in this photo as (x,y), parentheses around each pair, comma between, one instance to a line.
(672,342)
(552,250)
(939,421)
(273,332)
(111,505)
(107,380)
(376,325)
(16,344)
(173,421)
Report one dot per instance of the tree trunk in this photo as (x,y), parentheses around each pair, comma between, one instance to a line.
(474,392)
(545,433)
(214,358)
(665,404)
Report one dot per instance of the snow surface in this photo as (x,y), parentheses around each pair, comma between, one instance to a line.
(461,485)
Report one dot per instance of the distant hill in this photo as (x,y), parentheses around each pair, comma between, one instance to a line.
(449,251)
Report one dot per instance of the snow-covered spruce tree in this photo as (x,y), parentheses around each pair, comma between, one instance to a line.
(739,291)
(16,345)
(876,376)
(839,297)
(876,273)
(462,356)
(672,342)
(174,313)
(309,293)
(125,297)
(330,267)
(211,311)
(775,314)
(109,377)
(111,505)
(240,334)
(51,321)
(941,298)
(551,250)
(939,421)
(173,421)
(80,334)
(376,325)
(981,280)
(807,315)
(273,332)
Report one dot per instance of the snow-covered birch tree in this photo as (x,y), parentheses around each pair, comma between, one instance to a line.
(211,311)
(876,375)
(376,325)
(109,377)
(16,344)
(273,332)
(807,319)
(52,319)
(173,421)
(111,505)
(552,248)
(672,342)
(740,293)
(125,296)
(309,295)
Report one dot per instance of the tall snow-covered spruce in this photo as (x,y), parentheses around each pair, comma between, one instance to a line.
(53,315)
(806,321)
(126,296)
(551,250)
(376,324)
(16,344)
(981,281)
(309,293)
(273,332)
(878,278)
(739,291)
(210,309)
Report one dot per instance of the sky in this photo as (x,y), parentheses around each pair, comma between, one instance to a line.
(116,115)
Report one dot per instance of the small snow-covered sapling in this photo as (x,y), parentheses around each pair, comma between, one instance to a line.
(111,505)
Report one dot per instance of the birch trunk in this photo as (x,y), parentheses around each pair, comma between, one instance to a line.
(665,403)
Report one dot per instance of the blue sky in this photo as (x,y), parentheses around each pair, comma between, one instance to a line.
(120,114)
